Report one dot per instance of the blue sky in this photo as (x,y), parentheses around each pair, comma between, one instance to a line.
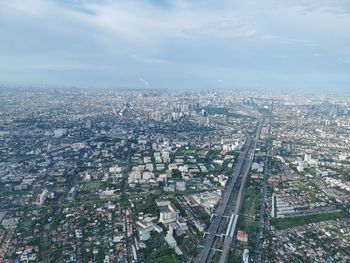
(270,44)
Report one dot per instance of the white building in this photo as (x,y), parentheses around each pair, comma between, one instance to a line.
(43,196)
(168,214)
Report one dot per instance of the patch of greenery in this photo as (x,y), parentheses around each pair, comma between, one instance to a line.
(303,220)
(234,258)
(168,259)
(158,251)
(225,111)
(148,206)
(123,201)
(176,174)
(247,221)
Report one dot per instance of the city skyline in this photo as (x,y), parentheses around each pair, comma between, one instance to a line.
(174,131)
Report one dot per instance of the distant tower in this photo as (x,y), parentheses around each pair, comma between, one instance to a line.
(88,124)
(307,157)
(8,187)
(49,147)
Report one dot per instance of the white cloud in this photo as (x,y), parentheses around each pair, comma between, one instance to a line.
(184,36)
(248,34)
(142,23)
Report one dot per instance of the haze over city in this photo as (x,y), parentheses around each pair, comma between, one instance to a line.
(174,131)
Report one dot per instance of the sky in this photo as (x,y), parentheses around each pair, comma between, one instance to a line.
(188,44)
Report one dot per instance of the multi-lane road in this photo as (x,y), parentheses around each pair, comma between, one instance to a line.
(263,197)
(219,221)
(240,198)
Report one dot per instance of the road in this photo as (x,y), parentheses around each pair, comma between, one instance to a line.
(243,163)
(240,198)
(262,197)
